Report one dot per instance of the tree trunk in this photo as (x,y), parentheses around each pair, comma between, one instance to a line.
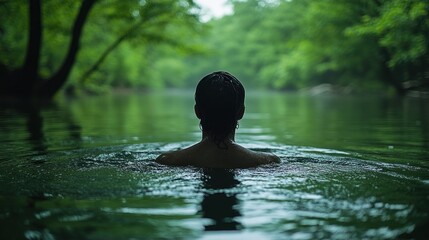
(22,82)
(53,84)
(31,64)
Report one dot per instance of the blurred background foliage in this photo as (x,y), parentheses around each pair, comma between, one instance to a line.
(350,46)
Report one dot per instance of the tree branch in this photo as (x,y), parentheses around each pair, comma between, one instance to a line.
(108,50)
(53,84)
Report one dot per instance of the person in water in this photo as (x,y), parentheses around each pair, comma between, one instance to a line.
(219,104)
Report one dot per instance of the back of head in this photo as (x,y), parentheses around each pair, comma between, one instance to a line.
(219,99)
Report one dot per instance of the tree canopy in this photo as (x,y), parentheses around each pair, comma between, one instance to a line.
(41,40)
(360,45)
(279,44)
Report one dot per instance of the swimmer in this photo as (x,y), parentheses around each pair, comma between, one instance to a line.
(219,104)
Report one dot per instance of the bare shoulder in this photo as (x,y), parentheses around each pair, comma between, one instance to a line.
(258,158)
(201,155)
(266,158)
(173,158)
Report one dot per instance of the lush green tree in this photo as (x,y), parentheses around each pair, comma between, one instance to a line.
(114,22)
(25,81)
(318,51)
(280,44)
(401,28)
(358,44)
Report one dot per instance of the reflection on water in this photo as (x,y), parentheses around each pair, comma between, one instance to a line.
(35,130)
(352,168)
(221,207)
(118,191)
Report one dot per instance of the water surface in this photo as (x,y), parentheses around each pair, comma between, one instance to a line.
(352,168)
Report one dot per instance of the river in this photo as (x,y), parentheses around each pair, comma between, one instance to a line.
(352,167)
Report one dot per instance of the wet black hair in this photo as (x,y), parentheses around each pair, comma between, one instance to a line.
(219,98)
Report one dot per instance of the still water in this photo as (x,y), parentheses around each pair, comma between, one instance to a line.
(352,168)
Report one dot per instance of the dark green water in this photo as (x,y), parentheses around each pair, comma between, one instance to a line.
(352,168)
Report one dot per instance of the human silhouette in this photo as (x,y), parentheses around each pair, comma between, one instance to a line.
(219,104)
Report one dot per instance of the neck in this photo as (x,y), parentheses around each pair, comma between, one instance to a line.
(229,138)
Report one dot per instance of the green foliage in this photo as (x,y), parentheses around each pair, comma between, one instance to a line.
(295,44)
(57,23)
(143,26)
(279,44)
(12,33)
(117,44)
(401,28)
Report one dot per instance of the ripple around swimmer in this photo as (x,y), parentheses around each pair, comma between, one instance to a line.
(305,161)
(333,173)
(312,193)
